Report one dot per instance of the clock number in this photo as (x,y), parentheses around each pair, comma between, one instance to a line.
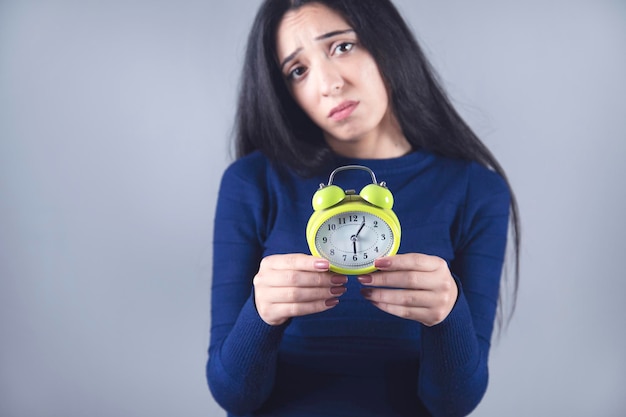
(331,227)
(344,257)
(375,223)
(332,252)
(325,239)
(376,249)
(351,218)
(382,237)
(354,258)
(364,255)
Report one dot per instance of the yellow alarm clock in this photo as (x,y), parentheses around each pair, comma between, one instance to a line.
(353,230)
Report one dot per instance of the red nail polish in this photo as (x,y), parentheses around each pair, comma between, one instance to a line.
(339,279)
(332,302)
(382,263)
(321,264)
(365,279)
(338,290)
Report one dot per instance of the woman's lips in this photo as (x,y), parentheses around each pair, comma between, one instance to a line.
(343,110)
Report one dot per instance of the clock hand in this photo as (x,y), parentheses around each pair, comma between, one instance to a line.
(360,228)
(353,238)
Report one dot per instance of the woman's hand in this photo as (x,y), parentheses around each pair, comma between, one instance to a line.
(418,287)
(293,285)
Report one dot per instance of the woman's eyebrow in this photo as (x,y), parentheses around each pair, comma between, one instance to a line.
(289,58)
(333,33)
(318,38)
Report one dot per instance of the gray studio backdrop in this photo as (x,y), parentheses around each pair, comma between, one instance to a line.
(114,126)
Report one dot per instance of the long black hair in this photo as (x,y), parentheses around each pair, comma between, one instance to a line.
(269,120)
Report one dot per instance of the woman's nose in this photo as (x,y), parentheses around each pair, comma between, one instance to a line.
(331,80)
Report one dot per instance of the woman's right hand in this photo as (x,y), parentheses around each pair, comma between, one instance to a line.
(294,285)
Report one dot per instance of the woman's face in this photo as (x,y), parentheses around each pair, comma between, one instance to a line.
(337,83)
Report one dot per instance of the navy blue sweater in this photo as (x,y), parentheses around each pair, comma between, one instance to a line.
(354,359)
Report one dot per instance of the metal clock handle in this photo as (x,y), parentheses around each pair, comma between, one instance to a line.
(346,167)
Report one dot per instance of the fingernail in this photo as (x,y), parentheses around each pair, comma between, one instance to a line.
(332,302)
(366,292)
(365,279)
(382,263)
(338,290)
(321,264)
(339,279)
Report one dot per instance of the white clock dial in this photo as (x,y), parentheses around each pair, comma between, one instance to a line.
(354,239)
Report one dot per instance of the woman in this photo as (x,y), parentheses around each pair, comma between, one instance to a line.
(331,83)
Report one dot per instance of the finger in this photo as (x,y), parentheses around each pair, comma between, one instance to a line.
(422,314)
(425,314)
(423,306)
(401,279)
(407,298)
(302,295)
(301,279)
(304,309)
(295,261)
(410,262)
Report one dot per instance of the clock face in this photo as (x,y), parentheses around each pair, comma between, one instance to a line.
(354,239)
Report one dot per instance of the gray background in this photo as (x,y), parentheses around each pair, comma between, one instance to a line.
(114,127)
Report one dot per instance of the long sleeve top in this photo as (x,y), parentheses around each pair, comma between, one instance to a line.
(354,359)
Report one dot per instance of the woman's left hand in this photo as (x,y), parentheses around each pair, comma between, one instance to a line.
(417,287)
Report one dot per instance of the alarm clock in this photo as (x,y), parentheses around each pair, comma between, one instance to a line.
(353,230)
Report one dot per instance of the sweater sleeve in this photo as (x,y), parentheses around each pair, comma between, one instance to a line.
(243,348)
(454,371)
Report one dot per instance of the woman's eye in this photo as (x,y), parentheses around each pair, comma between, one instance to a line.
(343,47)
(296,73)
